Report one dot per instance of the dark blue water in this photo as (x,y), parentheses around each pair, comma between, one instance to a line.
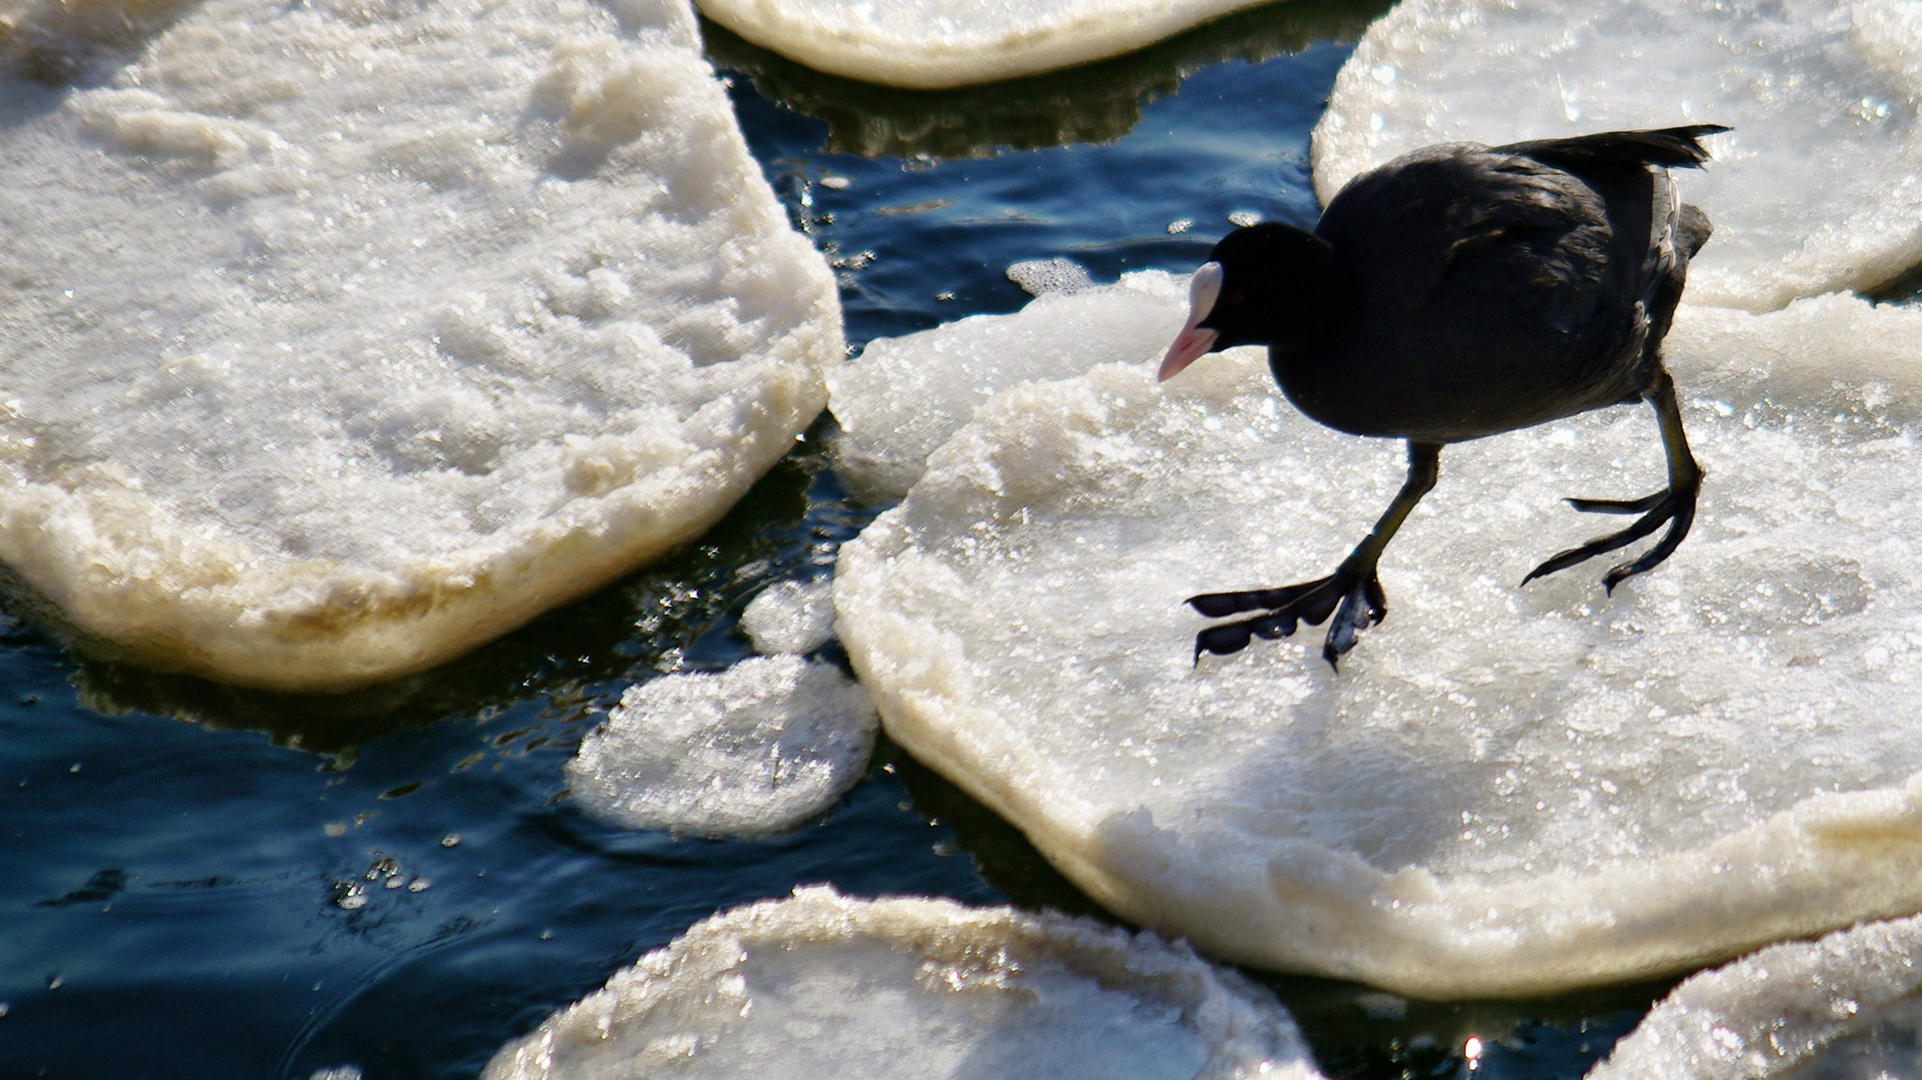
(203,882)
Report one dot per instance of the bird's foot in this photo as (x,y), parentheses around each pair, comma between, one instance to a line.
(1356,602)
(1677,508)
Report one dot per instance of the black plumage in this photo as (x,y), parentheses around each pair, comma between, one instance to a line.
(1457,292)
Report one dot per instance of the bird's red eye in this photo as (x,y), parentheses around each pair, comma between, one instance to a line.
(1233,299)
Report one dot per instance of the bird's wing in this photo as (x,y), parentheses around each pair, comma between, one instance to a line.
(1461,219)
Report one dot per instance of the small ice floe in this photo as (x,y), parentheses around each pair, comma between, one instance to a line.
(1512,790)
(753,750)
(791,617)
(906,395)
(1846,1007)
(930,44)
(1814,191)
(821,985)
(1039,277)
(338,339)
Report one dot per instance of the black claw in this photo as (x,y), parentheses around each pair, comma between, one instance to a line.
(1223,604)
(1361,607)
(1223,640)
(1356,603)
(1377,601)
(1677,511)
(1618,506)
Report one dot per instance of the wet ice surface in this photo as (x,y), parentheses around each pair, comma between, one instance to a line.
(313,380)
(756,749)
(941,43)
(906,395)
(818,985)
(1841,1008)
(1816,190)
(1505,790)
(791,617)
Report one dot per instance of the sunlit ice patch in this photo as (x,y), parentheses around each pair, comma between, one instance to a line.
(1194,342)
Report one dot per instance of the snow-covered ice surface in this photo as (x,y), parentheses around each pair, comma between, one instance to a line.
(929,44)
(1819,188)
(791,617)
(1846,1007)
(756,749)
(819,985)
(905,396)
(1505,790)
(311,380)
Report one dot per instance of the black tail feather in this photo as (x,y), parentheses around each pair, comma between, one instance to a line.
(1676,147)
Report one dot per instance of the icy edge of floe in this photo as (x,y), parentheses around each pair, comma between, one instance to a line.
(1772,1010)
(132,581)
(934,51)
(1245,1032)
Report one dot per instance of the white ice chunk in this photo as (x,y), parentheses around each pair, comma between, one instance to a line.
(1847,1007)
(1039,277)
(339,337)
(756,749)
(1819,187)
(1506,790)
(791,617)
(906,395)
(819,985)
(929,44)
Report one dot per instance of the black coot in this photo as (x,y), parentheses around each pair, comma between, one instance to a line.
(1456,292)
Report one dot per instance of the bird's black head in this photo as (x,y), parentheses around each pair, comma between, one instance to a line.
(1265,284)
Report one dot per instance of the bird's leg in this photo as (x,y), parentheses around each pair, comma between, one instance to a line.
(1352,593)
(1676,506)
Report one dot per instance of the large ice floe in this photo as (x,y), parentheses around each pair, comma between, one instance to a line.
(821,985)
(1819,188)
(905,396)
(339,337)
(750,751)
(1506,790)
(1846,1007)
(929,44)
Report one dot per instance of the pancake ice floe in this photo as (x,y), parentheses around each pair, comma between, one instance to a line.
(1845,1007)
(904,396)
(1815,190)
(339,338)
(929,44)
(820,985)
(757,749)
(1512,791)
(791,617)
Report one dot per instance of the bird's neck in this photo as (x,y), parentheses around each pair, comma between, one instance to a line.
(1322,306)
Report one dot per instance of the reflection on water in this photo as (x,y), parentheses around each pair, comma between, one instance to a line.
(1097,102)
